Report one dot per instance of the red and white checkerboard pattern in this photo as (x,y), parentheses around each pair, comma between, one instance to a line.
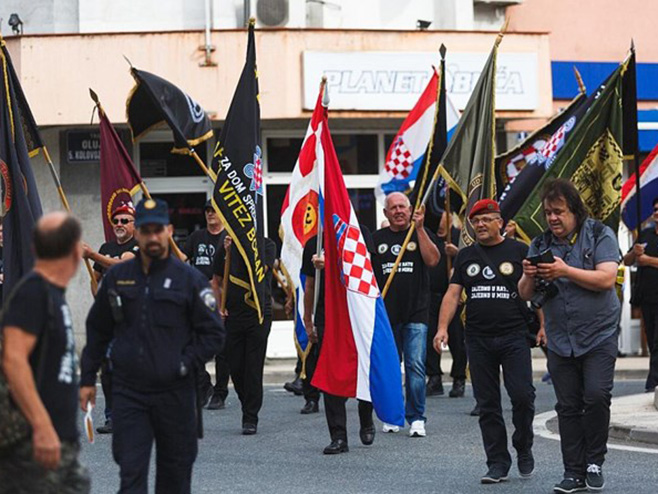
(258,172)
(400,164)
(358,275)
(554,143)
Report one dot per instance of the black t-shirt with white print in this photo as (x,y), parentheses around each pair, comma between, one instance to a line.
(58,384)
(490,310)
(200,249)
(115,250)
(407,300)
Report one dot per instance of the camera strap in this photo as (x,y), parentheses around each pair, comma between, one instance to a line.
(526,312)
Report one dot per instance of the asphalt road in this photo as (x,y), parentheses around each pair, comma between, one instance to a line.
(286,454)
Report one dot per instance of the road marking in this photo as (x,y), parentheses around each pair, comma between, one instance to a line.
(540,428)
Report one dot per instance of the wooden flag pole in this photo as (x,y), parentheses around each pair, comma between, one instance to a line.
(65,203)
(227,267)
(448,229)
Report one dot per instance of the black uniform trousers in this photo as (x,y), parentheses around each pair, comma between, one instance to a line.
(455,342)
(106,384)
(246,346)
(583,387)
(311,393)
(650,317)
(487,354)
(222,372)
(169,418)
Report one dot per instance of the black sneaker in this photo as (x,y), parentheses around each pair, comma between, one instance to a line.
(476,411)
(294,387)
(569,485)
(434,386)
(458,388)
(526,464)
(310,407)
(249,429)
(106,428)
(495,475)
(594,479)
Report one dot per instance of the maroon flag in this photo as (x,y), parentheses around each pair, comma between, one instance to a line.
(119,177)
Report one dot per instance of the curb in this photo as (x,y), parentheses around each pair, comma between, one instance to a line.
(633,434)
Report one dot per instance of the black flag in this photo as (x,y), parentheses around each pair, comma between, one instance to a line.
(20,206)
(154,100)
(238,194)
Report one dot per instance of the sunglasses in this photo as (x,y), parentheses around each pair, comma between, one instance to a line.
(123,221)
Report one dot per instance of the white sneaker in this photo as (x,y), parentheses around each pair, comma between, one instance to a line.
(390,428)
(417,429)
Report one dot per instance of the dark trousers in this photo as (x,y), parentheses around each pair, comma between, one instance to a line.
(583,387)
(106,384)
(246,346)
(650,317)
(455,343)
(486,356)
(311,393)
(222,372)
(334,408)
(169,418)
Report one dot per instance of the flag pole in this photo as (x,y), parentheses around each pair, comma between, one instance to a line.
(448,229)
(65,203)
(227,267)
(419,203)
(320,235)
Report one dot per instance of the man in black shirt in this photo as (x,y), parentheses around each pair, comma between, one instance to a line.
(495,337)
(40,364)
(246,339)
(407,300)
(439,281)
(111,253)
(645,254)
(200,249)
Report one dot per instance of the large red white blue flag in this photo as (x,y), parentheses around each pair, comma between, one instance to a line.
(648,192)
(358,357)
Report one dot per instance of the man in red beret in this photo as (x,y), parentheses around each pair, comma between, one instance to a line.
(111,253)
(496,336)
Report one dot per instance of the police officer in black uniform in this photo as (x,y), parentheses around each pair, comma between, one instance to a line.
(162,315)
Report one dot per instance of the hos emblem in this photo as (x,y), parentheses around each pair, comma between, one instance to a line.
(488,273)
(381,248)
(396,249)
(506,268)
(208,298)
(473,270)
(411,246)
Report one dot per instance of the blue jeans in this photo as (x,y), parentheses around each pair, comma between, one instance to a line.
(411,340)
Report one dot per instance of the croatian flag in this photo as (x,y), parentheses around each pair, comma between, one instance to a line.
(299,218)
(648,191)
(407,152)
(359,357)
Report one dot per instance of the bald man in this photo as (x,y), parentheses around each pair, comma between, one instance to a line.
(39,362)
(407,300)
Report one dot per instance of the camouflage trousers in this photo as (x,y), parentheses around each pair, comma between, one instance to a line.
(20,474)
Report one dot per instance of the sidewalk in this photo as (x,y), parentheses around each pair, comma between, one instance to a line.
(635,418)
(278,371)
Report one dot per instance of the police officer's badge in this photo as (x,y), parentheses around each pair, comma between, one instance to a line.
(411,246)
(381,248)
(506,268)
(396,249)
(208,298)
(473,270)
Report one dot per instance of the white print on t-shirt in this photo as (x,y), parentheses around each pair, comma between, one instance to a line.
(205,254)
(68,364)
(495,291)
(488,273)
(404,267)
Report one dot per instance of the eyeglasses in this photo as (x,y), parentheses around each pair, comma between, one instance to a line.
(485,220)
(123,221)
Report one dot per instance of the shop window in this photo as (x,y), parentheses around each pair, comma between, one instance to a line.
(357,153)
(157,160)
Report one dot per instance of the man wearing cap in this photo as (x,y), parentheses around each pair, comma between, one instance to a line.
(200,249)
(407,300)
(111,253)
(495,335)
(162,315)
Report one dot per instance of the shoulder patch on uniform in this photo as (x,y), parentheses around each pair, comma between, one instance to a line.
(208,298)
